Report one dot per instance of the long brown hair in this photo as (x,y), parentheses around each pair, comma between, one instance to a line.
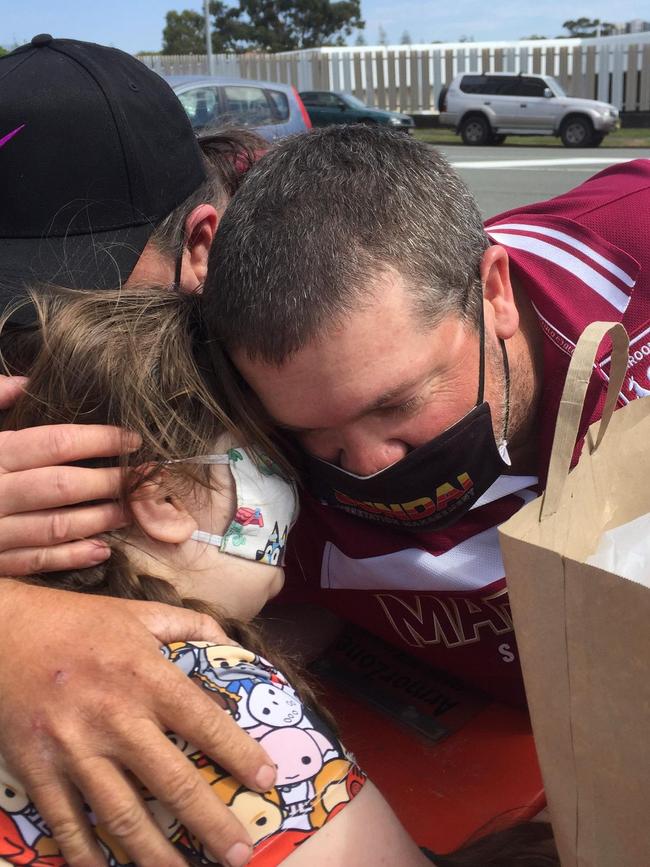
(125,358)
(530,844)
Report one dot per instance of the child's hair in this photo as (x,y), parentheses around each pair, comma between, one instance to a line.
(125,358)
(529,844)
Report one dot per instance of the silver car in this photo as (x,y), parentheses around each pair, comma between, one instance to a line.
(486,108)
(272,109)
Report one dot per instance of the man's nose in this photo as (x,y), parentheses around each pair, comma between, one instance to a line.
(365,456)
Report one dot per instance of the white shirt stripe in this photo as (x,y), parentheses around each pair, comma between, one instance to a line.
(570,242)
(468,566)
(600,284)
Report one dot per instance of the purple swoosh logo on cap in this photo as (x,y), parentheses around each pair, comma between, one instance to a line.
(10,135)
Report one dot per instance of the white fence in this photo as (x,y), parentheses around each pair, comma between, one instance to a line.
(409,78)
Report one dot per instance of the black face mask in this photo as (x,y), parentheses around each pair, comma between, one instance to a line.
(435,484)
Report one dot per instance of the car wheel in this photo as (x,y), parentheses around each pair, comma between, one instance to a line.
(475,130)
(497,139)
(576,132)
(596,139)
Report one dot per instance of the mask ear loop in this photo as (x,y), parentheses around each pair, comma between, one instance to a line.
(179,267)
(506,371)
(481,367)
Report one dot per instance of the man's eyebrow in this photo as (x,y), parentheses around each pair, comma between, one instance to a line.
(379,403)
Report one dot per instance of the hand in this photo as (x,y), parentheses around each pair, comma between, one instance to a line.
(42,529)
(86,697)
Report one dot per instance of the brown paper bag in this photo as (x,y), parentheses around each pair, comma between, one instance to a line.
(584,633)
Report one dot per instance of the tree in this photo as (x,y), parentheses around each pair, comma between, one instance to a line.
(264,25)
(465,38)
(184,33)
(534,36)
(382,38)
(360,40)
(585,27)
(406,38)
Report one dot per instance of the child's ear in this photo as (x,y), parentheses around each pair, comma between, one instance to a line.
(159,513)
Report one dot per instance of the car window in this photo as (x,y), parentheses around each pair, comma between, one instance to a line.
(532,86)
(280,104)
(353,102)
(473,84)
(247,106)
(202,106)
(503,85)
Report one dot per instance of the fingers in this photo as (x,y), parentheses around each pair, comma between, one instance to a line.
(57,526)
(168,623)
(58,486)
(60,806)
(62,443)
(11,387)
(121,815)
(189,712)
(189,798)
(74,555)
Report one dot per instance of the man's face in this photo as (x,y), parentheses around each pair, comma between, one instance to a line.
(380,384)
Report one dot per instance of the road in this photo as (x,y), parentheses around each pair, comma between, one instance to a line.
(505,177)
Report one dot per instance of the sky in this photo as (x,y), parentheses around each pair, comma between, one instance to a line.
(136,25)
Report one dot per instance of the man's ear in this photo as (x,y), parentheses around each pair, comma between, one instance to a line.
(497,291)
(160,514)
(200,229)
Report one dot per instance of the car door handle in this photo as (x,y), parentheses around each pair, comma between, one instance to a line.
(523,105)
(487,103)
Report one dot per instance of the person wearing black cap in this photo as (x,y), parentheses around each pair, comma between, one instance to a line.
(96,152)
(103,185)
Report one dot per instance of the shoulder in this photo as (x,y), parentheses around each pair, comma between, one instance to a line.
(605,191)
(316,778)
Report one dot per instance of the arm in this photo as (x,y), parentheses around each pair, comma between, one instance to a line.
(86,697)
(365,832)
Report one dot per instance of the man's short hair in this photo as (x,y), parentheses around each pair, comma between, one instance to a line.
(319,218)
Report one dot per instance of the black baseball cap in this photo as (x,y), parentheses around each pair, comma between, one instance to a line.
(95,151)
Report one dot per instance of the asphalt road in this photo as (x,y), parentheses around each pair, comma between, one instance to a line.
(505,177)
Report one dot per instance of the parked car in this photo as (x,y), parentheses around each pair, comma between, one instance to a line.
(486,108)
(327,106)
(274,110)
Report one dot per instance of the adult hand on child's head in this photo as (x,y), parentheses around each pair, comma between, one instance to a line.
(87,697)
(42,526)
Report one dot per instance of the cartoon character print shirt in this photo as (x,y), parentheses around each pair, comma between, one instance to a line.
(316,777)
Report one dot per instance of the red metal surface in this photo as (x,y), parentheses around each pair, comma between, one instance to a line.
(479,776)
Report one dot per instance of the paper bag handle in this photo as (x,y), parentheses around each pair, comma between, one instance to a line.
(573,397)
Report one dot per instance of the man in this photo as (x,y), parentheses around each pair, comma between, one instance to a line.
(104,185)
(418,360)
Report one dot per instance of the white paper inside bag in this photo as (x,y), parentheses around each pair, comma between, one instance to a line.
(625,551)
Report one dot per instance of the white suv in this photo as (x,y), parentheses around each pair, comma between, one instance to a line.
(486,108)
